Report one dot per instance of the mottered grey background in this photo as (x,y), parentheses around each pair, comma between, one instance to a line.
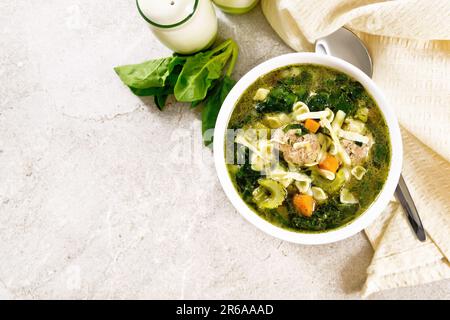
(104,196)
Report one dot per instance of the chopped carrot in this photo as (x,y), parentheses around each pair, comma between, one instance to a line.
(312,125)
(330,163)
(304,204)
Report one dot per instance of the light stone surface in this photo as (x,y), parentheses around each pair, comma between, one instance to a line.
(95,201)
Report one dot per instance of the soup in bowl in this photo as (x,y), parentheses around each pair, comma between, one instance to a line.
(307,149)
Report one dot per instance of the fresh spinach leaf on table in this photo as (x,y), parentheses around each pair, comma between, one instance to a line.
(197,79)
(200,71)
(145,75)
(153,78)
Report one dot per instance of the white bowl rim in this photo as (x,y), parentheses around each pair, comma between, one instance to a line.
(367,217)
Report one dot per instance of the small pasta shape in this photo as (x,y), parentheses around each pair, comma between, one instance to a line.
(311,115)
(303,186)
(327,174)
(261,94)
(338,120)
(354,126)
(318,194)
(353,136)
(276,120)
(358,172)
(346,197)
(299,108)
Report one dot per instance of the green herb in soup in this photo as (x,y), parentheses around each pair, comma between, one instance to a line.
(311,148)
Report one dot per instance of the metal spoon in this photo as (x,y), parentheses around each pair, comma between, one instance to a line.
(346,45)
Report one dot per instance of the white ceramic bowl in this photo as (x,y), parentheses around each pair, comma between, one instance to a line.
(365,218)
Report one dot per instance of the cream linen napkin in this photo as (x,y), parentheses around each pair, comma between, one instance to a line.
(412,65)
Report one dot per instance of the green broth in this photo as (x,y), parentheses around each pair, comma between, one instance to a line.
(320,88)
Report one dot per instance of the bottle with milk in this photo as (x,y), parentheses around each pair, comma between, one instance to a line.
(184,26)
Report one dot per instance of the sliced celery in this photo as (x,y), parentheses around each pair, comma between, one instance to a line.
(328,186)
(269,195)
(362,114)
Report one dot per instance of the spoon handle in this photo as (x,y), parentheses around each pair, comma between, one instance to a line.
(407,203)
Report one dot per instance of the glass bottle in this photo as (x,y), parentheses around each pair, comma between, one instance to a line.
(184,26)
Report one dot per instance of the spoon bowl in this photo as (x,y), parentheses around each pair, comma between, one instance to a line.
(346,45)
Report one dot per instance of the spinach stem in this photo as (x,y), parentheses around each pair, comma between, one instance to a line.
(221,46)
(234,56)
(228,45)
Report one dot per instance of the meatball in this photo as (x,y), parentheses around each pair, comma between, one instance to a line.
(300,150)
(358,154)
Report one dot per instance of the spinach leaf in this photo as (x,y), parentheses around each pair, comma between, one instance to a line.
(175,69)
(345,104)
(160,95)
(300,91)
(380,154)
(196,79)
(319,102)
(346,97)
(339,93)
(214,103)
(304,78)
(200,71)
(196,103)
(145,75)
(341,79)
(247,181)
(153,84)
(160,100)
(355,90)
(147,92)
(280,99)
(328,215)
(299,85)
